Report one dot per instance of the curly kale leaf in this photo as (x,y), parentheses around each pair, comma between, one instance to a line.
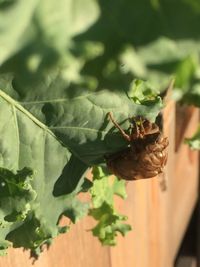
(34,168)
(16,195)
(110,222)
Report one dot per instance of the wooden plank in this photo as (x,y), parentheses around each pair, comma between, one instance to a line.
(185,185)
(198,232)
(187,254)
(77,248)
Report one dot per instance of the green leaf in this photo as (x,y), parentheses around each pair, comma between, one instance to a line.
(109,224)
(79,19)
(143,93)
(4,245)
(119,188)
(59,21)
(131,62)
(79,117)
(103,189)
(16,195)
(185,71)
(194,141)
(165,50)
(11,34)
(109,221)
(25,145)
(42,34)
(165,57)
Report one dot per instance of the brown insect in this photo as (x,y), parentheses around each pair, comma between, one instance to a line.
(146,155)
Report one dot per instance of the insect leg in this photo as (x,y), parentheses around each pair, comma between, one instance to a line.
(142,130)
(126,136)
(135,130)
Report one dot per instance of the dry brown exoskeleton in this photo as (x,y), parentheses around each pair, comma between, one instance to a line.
(146,155)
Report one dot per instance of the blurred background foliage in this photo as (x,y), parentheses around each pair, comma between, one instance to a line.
(101,44)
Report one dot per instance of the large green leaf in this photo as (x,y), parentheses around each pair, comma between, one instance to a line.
(79,117)
(26,142)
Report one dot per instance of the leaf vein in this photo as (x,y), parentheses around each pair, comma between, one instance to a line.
(17,131)
(56,100)
(82,129)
